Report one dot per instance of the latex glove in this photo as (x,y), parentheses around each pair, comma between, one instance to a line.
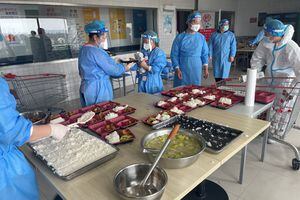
(129,66)
(143,64)
(231,59)
(179,73)
(206,73)
(58,131)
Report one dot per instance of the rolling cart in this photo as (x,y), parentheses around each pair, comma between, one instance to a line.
(40,91)
(285,109)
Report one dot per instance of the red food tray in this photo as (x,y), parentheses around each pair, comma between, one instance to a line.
(166,106)
(88,108)
(146,120)
(220,92)
(184,108)
(126,111)
(104,106)
(173,92)
(234,100)
(264,97)
(98,117)
(124,121)
(108,128)
(178,101)
(124,132)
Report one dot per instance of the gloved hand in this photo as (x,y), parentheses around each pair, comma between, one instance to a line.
(58,131)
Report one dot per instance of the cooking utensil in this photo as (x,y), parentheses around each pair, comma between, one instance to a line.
(86,117)
(171,163)
(130,176)
(163,149)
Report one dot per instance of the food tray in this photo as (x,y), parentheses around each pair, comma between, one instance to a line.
(131,60)
(146,120)
(166,106)
(234,100)
(124,121)
(184,108)
(123,132)
(173,92)
(264,97)
(104,106)
(103,128)
(217,137)
(126,111)
(80,171)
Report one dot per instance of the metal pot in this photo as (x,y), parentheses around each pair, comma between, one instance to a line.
(36,117)
(128,178)
(171,163)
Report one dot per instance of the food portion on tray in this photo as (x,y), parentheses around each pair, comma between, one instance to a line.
(226,102)
(160,117)
(74,152)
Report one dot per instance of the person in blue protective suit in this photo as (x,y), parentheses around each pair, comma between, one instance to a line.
(222,50)
(149,75)
(96,66)
(259,36)
(17,178)
(281,55)
(189,53)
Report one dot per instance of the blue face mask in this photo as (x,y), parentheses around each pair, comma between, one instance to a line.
(226,28)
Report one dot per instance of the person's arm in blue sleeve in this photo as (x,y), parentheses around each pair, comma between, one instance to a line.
(158,63)
(204,53)
(17,128)
(175,53)
(233,46)
(258,38)
(134,67)
(107,64)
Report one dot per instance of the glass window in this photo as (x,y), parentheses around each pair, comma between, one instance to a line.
(39,33)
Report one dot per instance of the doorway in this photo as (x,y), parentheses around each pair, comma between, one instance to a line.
(230,15)
(182,16)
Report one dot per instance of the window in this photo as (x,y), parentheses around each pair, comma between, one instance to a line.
(39,33)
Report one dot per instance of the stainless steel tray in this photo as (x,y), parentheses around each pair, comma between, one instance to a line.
(83,169)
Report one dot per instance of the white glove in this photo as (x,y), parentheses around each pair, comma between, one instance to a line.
(58,131)
(139,56)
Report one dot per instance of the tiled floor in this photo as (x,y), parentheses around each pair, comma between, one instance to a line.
(272,179)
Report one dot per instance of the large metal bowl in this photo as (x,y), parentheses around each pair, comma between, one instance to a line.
(36,117)
(127,180)
(171,163)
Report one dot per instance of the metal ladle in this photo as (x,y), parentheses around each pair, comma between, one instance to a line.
(140,189)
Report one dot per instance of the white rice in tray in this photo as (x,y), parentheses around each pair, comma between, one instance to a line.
(75,151)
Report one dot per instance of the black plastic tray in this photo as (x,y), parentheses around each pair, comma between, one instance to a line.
(217,136)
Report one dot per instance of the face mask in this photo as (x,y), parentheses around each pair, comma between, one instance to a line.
(195,27)
(147,46)
(267,40)
(225,28)
(104,45)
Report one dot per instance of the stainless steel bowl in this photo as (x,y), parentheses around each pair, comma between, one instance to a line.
(171,163)
(127,180)
(36,117)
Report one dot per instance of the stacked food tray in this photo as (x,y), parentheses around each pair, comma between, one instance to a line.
(77,153)
(222,99)
(109,117)
(217,136)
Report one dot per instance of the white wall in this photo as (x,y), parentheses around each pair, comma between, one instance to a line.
(215,5)
(247,9)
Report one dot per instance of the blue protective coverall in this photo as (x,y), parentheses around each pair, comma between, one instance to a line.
(151,81)
(95,68)
(17,178)
(189,53)
(258,38)
(222,46)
